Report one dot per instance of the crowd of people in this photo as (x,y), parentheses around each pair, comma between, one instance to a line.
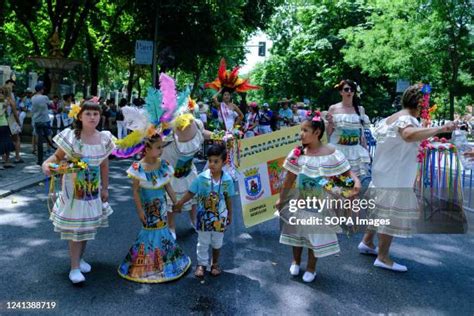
(165,180)
(162,188)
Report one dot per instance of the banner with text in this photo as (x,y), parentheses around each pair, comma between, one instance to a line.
(262,174)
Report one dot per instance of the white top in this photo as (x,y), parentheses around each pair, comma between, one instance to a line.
(395,164)
(317,166)
(229,116)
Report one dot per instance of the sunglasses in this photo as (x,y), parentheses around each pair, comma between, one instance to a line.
(347,89)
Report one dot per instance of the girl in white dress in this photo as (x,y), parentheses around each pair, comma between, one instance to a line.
(187,139)
(308,165)
(394,171)
(81,207)
(346,123)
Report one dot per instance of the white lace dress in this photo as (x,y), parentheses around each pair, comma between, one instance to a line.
(78,211)
(346,138)
(310,170)
(394,171)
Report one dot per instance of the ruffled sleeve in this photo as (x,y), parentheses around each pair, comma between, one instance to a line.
(406,120)
(193,145)
(108,141)
(324,166)
(135,172)
(65,140)
(384,131)
(291,163)
(154,179)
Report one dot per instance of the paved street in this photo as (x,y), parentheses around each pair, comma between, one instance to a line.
(35,266)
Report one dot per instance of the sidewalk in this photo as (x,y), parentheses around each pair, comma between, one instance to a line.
(23,175)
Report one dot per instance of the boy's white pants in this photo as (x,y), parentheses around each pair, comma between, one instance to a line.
(206,239)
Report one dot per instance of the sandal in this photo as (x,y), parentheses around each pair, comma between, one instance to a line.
(200,270)
(215,270)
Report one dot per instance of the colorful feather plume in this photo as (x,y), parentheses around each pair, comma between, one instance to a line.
(128,152)
(153,105)
(168,91)
(230,79)
(132,139)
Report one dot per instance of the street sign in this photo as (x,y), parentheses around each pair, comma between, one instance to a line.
(144,52)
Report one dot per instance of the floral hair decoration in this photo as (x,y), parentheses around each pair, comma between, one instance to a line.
(314,116)
(425,103)
(74,111)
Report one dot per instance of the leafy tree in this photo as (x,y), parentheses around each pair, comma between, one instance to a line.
(419,41)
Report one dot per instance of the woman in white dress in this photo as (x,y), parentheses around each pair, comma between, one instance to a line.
(229,114)
(394,171)
(346,123)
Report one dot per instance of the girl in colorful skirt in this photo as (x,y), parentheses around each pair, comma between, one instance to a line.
(81,207)
(309,166)
(155,256)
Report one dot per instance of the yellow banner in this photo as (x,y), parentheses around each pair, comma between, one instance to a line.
(262,174)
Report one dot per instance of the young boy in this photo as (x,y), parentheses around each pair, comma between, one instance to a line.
(214,189)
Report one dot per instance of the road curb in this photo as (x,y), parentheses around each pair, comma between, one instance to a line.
(24,184)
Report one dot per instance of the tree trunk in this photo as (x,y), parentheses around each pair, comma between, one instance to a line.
(94,61)
(47,81)
(451,104)
(94,70)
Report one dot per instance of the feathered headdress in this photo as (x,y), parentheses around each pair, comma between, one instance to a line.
(153,119)
(230,80)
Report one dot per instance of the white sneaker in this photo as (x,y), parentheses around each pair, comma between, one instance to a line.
(309,276)
(394,267)
(84,266)
(366,250)
(76,276)
(294,269)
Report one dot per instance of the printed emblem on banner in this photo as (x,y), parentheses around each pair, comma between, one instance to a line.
(253,184)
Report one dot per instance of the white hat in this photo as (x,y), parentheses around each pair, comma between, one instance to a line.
(265,105)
